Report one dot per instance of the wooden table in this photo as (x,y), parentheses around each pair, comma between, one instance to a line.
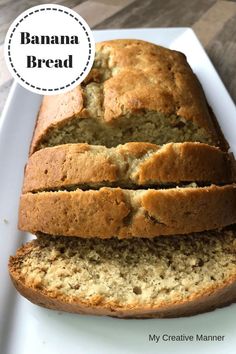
(213,21)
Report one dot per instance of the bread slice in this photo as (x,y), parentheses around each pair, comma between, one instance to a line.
(136,91)
(124,213)
(162,277)
(129,165)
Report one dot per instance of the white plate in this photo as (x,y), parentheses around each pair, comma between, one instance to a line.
(29,329)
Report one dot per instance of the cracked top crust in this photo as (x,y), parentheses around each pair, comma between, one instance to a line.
(130,77)
(146,76)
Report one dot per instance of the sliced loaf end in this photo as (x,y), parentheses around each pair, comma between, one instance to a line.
(163,277)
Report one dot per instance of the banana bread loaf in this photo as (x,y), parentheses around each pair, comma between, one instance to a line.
(117,198)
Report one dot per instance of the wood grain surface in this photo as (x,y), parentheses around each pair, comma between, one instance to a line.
(213,21)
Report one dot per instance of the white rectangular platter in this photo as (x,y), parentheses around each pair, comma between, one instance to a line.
(28,329)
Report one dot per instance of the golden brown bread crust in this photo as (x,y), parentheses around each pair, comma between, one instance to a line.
(132,163)
(203,301)
(135,77)
(109,212)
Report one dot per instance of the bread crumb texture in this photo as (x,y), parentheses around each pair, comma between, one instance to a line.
(135,273)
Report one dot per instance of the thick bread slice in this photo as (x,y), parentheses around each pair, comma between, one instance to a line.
(162,277)
(109,212)
(136,91)
(140,164)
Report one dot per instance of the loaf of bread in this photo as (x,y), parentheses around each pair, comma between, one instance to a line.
(136,91)
(124,213)
(162,277)
(129,166)
(132,153)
